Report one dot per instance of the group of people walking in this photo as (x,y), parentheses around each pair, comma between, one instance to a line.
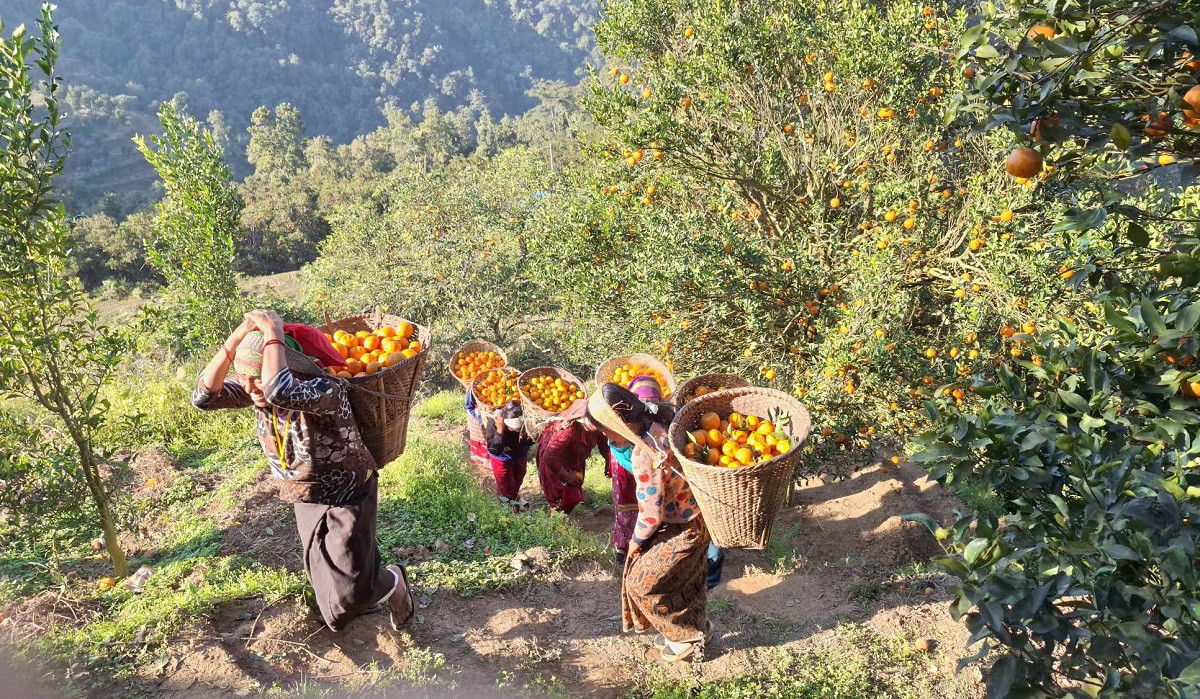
(314,447)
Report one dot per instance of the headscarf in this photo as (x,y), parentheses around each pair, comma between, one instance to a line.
(305,339)
(248,360)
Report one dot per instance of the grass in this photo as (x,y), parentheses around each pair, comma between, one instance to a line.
(857,663)
(428,496)
(445,406)
(127,626)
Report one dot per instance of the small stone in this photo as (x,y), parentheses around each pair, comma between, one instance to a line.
(441,546)
(924,645)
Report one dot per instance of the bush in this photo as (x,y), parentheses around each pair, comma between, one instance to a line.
(1088,578)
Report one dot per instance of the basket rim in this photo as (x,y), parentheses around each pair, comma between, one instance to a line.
(483,344)
(674,433)
(422,333)
(698,380)
(641,358)
(542,371)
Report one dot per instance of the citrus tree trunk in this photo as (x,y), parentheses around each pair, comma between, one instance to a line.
(95,486)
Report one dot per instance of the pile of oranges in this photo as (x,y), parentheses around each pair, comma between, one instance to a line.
(626,373)
(495,387)
(736,440)
(468,365)
(552,393)
(368,353)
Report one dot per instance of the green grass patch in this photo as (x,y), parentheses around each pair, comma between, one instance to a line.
(859,663)
(178,592)
(428,495)
(446,406)
(979,498)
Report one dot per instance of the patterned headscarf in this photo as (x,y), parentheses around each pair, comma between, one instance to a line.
(645,387)
(248,360)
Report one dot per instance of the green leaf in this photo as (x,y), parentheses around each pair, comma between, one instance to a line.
(1001,677)
(1137,234)
(1151,317)
(1074,400)
(974,549)
(1121,136)
(1188,316)
(922,519)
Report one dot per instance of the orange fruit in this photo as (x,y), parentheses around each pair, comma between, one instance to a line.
(701,437)
(374,367)
(714,437)
(1023,162)
(372,343)
(415,347)
(714,457)
(710,421)
(393,359)
(1040,32)
(744,456)
(405,330)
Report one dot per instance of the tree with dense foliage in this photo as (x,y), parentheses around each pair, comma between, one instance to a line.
(276,146)
(54,354)
(191,242)
(1088,580)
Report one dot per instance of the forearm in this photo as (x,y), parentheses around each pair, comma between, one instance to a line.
(213,376)
(273,353)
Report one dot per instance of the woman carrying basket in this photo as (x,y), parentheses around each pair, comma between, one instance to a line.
(663,584)
(562,454)
(314,448)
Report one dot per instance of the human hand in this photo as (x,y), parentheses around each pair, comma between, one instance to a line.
(265,321)
(239,333)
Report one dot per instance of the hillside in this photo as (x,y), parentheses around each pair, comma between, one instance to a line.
(339,62)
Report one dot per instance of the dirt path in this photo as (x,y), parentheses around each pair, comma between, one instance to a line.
(845,541)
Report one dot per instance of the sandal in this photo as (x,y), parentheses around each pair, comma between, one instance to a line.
(660,641)
(394,600)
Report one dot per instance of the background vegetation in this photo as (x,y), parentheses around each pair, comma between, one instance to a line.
(812,196)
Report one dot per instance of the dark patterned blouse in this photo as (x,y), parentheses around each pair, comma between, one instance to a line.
(324,458)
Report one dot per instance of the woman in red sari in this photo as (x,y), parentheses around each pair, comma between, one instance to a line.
(562,454)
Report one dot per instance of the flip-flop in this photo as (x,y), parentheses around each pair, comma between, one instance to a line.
(666,654)
(412,603)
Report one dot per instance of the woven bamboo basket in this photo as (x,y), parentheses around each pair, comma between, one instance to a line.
(605,371)
(740,504)
(482,408)
(474,346)
(716,382)
(536,417)
(382,401)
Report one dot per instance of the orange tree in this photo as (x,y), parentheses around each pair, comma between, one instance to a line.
(779,194)
(449,248)
(1088,580)
(55,357)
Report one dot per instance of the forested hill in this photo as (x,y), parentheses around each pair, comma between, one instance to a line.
(339,61)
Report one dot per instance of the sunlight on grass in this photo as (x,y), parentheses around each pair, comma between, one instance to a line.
(857,663)
(447,406)
(179,592)
(428,495)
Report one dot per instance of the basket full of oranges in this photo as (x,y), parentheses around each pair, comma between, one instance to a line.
(739,448)
(493,389)
(385,355)
(474,358)
(623,370)
(546,394)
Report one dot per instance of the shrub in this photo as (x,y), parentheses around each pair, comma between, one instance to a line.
(1088,579)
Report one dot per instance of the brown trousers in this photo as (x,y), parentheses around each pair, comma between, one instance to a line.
(341,557)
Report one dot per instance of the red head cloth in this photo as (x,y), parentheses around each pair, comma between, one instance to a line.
(314,344)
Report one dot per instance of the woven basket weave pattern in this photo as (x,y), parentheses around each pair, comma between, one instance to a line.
(740,504)
(383,421)
(474,346)
(605,371)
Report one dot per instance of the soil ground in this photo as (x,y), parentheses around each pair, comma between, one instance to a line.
(840,553)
